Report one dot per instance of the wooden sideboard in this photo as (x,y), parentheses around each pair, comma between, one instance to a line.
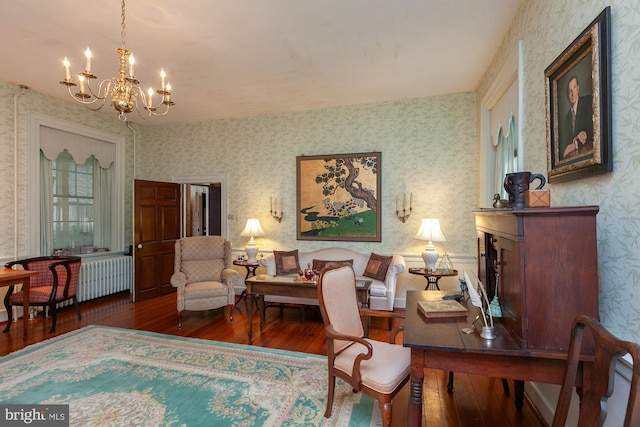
(545,264)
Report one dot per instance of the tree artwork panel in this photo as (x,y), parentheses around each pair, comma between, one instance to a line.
(339,197)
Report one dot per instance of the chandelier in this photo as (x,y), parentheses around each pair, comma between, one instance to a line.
(125,91)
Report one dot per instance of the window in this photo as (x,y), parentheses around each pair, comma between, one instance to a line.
(72,204)
(75,187)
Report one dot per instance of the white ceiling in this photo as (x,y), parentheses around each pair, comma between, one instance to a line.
(234,58)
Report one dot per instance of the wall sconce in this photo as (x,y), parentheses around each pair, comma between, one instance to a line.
(273,209)
(404,215)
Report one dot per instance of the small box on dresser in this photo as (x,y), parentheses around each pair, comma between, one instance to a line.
(537,198)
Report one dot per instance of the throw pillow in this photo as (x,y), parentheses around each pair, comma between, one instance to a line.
(286,262)
(377,266)
(321,264)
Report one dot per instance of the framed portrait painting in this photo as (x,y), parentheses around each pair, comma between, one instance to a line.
(339,197)
(578,95)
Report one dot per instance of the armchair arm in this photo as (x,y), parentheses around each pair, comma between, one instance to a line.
(230,276)
(355,371)
(178,279)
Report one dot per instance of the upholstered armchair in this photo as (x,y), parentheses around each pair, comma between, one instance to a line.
(203,275)
(56,282)
(375,368)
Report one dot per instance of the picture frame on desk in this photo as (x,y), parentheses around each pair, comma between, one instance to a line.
(579,139)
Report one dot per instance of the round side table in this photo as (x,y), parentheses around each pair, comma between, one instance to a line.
(250,266)
(432,276)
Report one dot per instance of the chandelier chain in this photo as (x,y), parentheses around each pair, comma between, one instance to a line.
(122,31)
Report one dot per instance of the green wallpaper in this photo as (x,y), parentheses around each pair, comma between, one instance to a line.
(547,27)
(428,147)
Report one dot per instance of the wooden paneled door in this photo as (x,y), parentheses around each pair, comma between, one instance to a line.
(156,228)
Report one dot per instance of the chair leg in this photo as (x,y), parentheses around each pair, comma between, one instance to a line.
(231,307)
(52,309)
(179,320)
(450,383)
(385,411)
(9,309)
(77,306)
(332,389)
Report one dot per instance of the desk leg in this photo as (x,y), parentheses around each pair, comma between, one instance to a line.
(261,307)
(25,314)
(415,396)
(518,391)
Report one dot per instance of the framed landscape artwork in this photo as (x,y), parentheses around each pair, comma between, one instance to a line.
(339,197)
(578,94)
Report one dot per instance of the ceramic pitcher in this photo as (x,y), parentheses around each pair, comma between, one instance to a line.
(517,183)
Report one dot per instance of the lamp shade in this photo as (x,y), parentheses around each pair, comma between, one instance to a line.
(430,231)
(252,229)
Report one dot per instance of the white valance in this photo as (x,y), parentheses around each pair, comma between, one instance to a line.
(55,141)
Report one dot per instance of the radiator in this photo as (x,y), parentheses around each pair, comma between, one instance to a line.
(105,276)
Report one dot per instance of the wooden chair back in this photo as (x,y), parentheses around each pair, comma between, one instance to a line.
(593,403)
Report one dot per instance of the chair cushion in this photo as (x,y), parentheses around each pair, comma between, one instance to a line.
(320,264)
(389,365)
(286,262)
(377,266)
(204,289)
(203,270)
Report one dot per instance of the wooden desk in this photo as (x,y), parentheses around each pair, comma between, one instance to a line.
(439,343)
(261,285)
(10,277)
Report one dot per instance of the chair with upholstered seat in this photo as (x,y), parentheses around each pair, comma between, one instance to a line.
(203,275)
(608,349)
(375,368)
(56,282)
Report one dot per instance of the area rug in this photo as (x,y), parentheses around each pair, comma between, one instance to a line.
(119,377)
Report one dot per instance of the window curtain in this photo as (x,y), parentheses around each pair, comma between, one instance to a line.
(46,206)
(506,154)
(101,205)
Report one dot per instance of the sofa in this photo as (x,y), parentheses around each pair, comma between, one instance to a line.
(381,293)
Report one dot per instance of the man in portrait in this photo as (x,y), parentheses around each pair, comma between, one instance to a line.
(577,138)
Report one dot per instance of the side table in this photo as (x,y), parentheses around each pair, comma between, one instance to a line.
(251,271)
(432,276)
(250,266)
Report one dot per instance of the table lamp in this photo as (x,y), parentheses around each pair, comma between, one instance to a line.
(430,231)
(252,229)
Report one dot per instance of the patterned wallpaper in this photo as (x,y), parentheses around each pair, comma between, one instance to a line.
(428,147)
(547,27)
(33,101)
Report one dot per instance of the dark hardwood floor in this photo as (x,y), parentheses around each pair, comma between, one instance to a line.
(476,400)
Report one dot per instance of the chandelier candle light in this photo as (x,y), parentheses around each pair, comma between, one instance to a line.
(430,231)
(125,90)
(252,229)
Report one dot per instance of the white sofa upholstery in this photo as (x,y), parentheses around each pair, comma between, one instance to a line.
(381,294)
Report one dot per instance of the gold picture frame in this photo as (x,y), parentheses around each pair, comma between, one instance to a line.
(578,97)
(338,197)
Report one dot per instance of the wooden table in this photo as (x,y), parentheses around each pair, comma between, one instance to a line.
(262,284)
(10,277)
(439,343)
(433,276)
(250,266)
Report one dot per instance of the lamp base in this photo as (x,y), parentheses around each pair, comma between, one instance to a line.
(430,257)
(252,253)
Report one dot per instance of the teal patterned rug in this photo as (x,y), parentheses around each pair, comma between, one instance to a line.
(119,377)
